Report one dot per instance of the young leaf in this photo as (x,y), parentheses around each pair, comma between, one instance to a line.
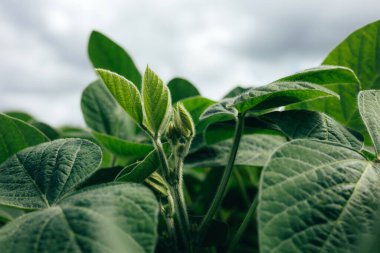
(316,197)
(157,102)
(123,148)
(107,218)
(300,124)
(102,113)
(124,92)
(16,135)
(106,54)
(37,177)
(369,106)
(181,89)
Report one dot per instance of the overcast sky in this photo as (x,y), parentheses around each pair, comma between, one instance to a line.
(214,44)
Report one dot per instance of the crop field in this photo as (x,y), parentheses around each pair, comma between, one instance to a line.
(291,166)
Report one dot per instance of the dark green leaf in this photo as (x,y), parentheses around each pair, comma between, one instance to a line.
(106,54)
(342,81)
(181,89)
(279,94)
(140,171)
(114,218)
(300,124)
(123,148)
(16,135)
(254,150)
(316,197)
(37,177)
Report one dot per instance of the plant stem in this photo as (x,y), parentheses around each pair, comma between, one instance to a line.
(180,199)
(243,226)
(221,191)
(175,187)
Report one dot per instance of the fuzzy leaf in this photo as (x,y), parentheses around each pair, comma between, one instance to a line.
(37,177)
(316,197)
(112,218)
(369,106)
(124,92)
(300,124)
(279,94)
(157,102)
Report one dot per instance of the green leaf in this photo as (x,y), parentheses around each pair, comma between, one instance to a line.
(300,124)
(316,197)
(196,106)
(106,54)
(264,99)
(181,89)
(254,150)
(138,172)
(102,113)
(47,130)
(112,218)
(342,81)
(156,101)
(123,148)
(39,176)
(222,111)
(278,94)
(16,135)
(359,52)
(124,92)
(101,176)
(369,106)
(20,115)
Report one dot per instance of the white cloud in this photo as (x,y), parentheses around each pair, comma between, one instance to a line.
(215,44)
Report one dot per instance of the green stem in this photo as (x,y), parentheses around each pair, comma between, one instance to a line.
(180,199)
(221,191)
(175,187)
(169,222)
(243,226)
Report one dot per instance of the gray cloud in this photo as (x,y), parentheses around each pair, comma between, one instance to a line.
(215,44)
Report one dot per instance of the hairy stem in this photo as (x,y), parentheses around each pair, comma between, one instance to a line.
(179,197)
(222,187)
(176,191)
(243,226)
